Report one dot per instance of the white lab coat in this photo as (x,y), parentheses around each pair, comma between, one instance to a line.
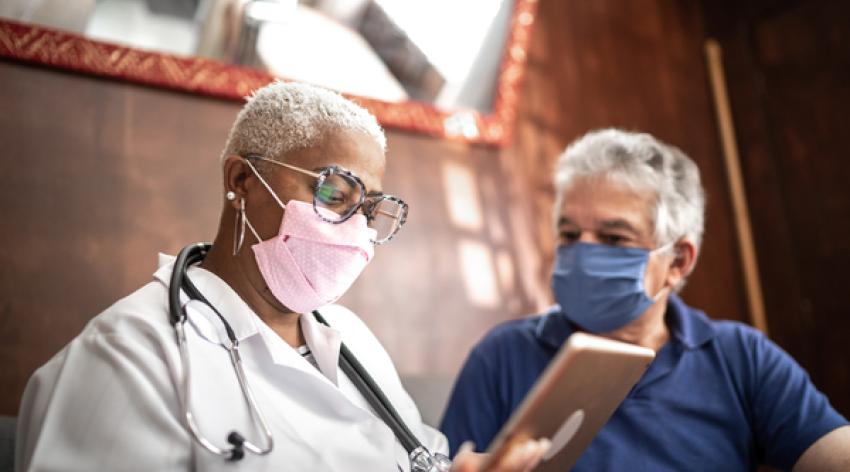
(109,399)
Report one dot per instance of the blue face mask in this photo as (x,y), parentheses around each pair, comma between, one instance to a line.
(600,287)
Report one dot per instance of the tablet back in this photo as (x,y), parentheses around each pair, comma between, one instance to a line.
(574,397)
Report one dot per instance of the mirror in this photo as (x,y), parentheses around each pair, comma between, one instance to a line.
(442,67)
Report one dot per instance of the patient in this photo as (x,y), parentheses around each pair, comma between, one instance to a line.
(629,214)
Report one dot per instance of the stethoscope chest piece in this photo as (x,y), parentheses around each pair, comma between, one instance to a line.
(421,460)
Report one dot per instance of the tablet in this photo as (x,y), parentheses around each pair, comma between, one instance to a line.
(573,398)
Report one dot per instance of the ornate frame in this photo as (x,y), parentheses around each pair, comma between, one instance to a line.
(53,48)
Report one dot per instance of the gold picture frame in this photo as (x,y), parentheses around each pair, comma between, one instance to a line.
(68,51)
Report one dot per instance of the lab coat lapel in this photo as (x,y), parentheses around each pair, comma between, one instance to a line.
(293,373)
(282,355)
(324,342)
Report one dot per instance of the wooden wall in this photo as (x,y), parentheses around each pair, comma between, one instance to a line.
(788,71)
(104,174)
(637,65)
(100,176)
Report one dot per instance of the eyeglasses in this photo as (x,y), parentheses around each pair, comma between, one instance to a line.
(343,193)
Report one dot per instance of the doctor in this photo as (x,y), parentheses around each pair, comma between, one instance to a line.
(304,211)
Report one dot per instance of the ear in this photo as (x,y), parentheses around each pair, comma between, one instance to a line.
(236,173)
(682,262)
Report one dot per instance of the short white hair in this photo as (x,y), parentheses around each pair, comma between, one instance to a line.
(641,162)
(287,116)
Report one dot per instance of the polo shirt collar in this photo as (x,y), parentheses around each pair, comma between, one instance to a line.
(688,326)
(553,328)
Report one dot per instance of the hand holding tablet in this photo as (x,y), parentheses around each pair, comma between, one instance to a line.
(573,399)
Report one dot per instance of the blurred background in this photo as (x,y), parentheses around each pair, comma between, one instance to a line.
(102,174)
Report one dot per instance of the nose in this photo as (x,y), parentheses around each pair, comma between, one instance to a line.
(588,237)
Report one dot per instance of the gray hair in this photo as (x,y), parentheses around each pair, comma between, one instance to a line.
(640,162)
(288,116)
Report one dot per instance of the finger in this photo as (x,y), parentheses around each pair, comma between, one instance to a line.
(530,457)
(517,457)
(541,446)
(466,447)
(463,461)
(545,444)
(520,458)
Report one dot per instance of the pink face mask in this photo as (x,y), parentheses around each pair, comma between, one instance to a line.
(311,263)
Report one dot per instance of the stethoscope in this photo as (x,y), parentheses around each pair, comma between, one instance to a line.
(421,460)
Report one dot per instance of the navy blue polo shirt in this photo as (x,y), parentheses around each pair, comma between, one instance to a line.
(718,396)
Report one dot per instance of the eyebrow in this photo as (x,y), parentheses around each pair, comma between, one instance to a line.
(617,223)
(375,193)
(563,221)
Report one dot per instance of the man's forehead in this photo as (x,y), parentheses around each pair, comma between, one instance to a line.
(600,209)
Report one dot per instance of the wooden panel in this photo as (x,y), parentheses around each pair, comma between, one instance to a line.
(431,293)
(99,177)
(788,70)
(640,66)
(103,175)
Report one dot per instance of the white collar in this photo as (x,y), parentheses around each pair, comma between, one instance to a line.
(324,342)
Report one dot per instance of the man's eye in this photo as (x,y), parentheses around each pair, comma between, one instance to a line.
(613,239)
(569,236)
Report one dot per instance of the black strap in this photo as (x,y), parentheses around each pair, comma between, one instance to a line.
(370,390)
(191,254)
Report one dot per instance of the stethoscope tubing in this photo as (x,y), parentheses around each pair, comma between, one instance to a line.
(349,364)
(179,280)
(374,395)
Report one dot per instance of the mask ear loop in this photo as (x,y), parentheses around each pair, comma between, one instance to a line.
(664,289)
(244,215)
(245,221)
(266,185)
(660,294)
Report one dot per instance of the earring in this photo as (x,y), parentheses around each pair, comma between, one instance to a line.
(230,195)
(240,228)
